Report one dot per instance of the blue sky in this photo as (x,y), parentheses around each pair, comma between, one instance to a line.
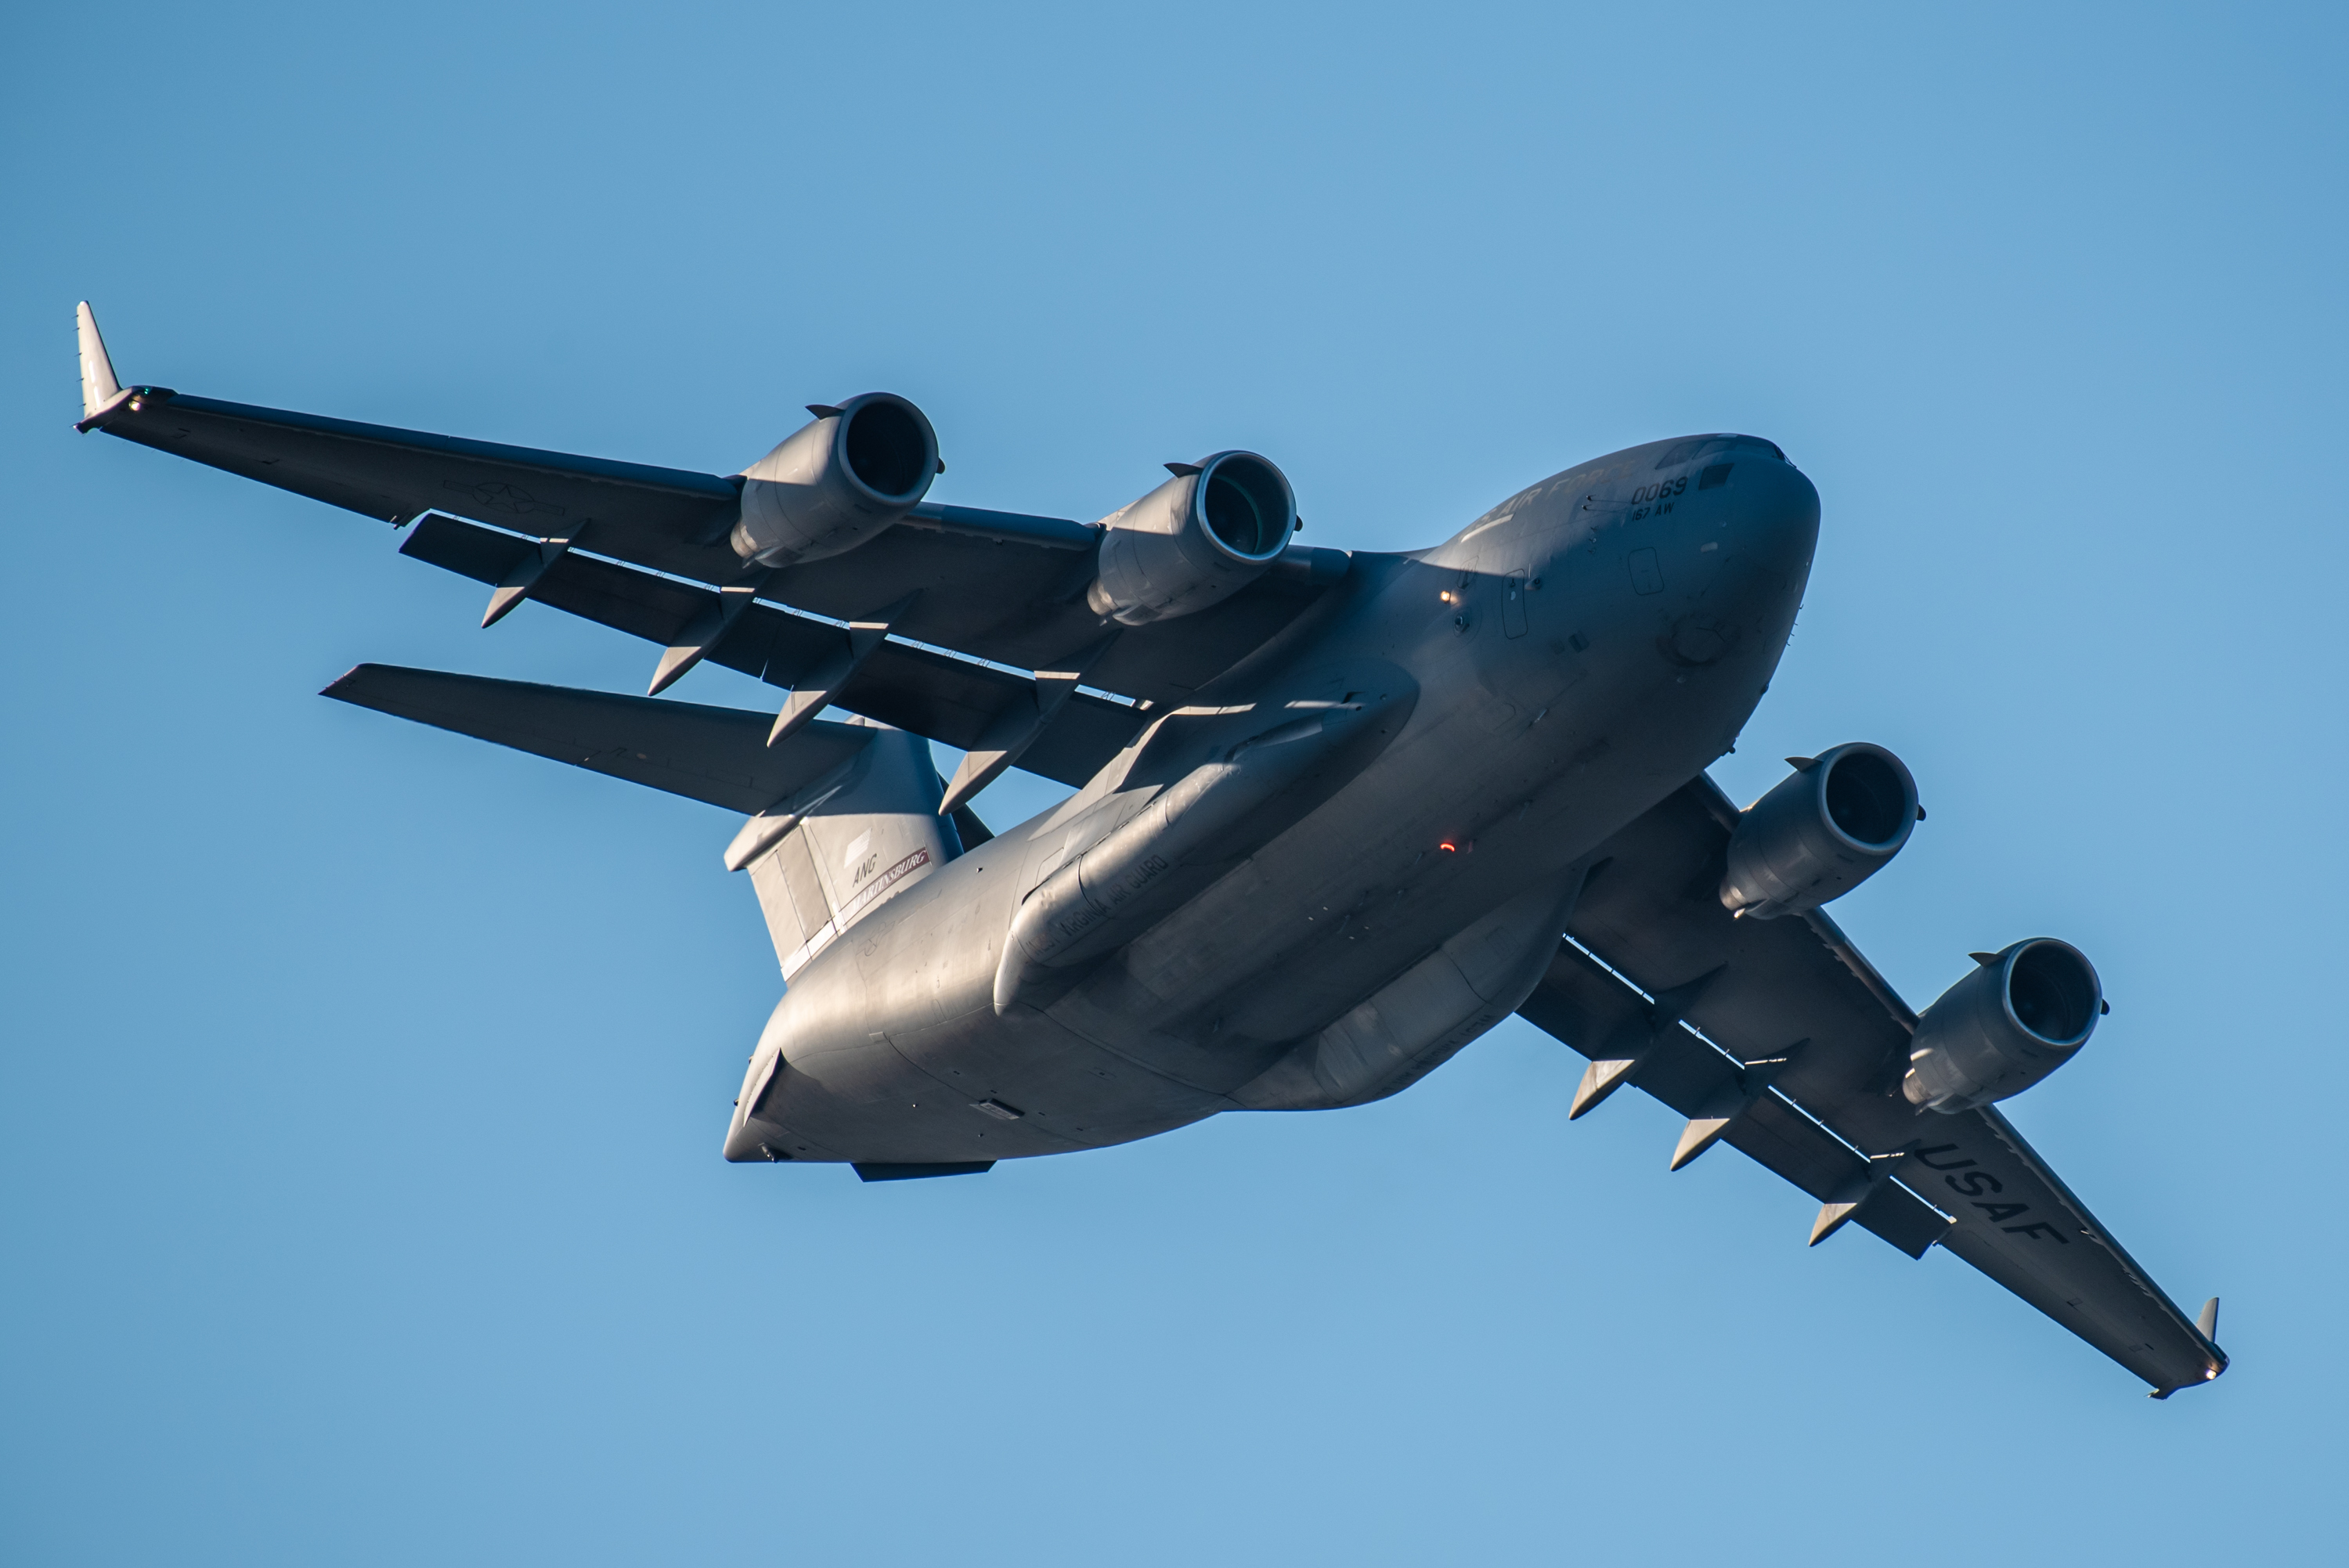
(360,1101)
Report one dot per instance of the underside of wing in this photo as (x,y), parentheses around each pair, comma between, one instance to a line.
(957,702)
(1006,588)
(656,514)
(1594,1008)
(1776,1036)
(1011,590)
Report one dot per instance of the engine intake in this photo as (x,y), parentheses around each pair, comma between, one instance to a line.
(1195,541)
(1817,836)
(2022,1013)
(830,486)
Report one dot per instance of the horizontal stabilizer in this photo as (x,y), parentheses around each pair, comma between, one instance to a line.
(715,754)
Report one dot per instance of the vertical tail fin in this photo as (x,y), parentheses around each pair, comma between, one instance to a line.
(858,844)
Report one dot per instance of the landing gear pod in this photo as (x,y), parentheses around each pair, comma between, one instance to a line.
(1839,820)
(1195,541)
(2021,1014)
(830,486)
(1190,833)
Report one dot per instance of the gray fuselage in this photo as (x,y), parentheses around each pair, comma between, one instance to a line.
(1510,698)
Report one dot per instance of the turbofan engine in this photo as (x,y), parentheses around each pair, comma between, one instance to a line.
(2022,1013)
(1195,541)
(1839,820)
(830,486)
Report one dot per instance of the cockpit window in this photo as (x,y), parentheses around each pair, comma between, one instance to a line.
(1697,446)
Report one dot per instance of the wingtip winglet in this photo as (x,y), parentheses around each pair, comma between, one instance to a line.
(101,393)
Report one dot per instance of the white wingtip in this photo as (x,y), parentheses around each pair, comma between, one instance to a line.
(99,390)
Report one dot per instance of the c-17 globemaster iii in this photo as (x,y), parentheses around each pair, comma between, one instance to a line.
(1336,814)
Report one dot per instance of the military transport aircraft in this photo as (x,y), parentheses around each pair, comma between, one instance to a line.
(1336,814)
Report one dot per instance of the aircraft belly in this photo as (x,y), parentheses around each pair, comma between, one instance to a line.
(1417,1021)
(892,1051)
(1200,1056)
(1069,1085)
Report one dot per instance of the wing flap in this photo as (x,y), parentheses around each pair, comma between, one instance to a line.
(714,754)
(934,694)
(1009,589)
(1652,910)
(483,554)
(1601,1015)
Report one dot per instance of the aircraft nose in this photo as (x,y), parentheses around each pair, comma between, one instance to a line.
(1775,523)
(1751,554)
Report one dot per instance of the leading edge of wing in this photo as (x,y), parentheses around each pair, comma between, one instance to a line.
(682,481)
(1004,527)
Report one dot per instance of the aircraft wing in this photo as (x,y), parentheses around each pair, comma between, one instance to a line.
(1003,587)
(1779,1038)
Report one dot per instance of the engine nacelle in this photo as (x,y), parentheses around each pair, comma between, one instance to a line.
(2021,1014)
(1195,541)
(830,486)
(1839,820)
